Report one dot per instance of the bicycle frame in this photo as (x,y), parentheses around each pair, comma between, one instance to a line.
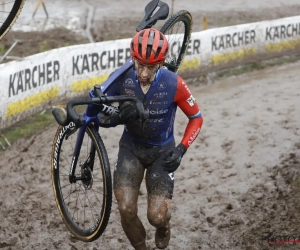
(154,11)
(72,177)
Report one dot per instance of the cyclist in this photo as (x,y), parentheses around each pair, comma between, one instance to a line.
(148,145)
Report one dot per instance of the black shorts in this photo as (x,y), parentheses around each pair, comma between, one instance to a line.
(134,158)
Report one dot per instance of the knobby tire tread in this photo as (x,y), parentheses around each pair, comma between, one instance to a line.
(186,17)
(107,174)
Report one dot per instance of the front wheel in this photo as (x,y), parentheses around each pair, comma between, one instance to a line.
(86,204)
(178,29)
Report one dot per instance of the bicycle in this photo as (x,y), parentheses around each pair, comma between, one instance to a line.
(8,18)
(87,177)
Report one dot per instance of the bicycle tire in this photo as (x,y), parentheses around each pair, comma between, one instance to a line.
(175,59)
(11,18)
(64,203)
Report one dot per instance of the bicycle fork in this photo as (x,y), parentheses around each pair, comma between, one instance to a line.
(89,162)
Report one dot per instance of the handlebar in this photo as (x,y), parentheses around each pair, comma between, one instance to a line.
(79,121)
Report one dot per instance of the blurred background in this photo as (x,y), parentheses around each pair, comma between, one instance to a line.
(44,25)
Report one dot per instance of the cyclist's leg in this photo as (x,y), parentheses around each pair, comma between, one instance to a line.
(128,176)
(160,185)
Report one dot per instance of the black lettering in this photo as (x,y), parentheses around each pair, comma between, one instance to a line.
(268,34)
(282,31)
(75,65)
(247,37)
(196,46)
(128,54)
(188,50)
(295,30)
(27,79)
(120,57)
(49,79)
(101,60)
(41,74)
(228,41)
(252,36)
(20,82)
(11,89)
(56,68)
(112,58)
(34,84)
(95,59)
(276,33)
(240,39)
(233,39)
(288,30)
(85,64)
(221,44)
(214,43)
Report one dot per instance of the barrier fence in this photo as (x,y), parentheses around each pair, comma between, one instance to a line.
(42,80)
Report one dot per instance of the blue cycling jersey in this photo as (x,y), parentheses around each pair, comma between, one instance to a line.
(159,100)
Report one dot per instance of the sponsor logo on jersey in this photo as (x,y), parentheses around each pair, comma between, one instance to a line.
(158,102)
(129,92)
(191,101)
(156,120)
(129,83)
(187,88)
(158,112)
(160,95)
(162,85)
(193,137)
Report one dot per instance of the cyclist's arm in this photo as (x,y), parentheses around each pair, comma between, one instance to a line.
(187,103)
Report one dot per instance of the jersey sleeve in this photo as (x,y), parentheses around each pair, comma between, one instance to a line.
(188,104)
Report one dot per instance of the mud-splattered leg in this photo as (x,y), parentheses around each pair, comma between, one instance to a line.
(128,176)
(132,226)
(159,216)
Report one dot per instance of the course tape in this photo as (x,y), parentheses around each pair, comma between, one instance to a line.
(37,81)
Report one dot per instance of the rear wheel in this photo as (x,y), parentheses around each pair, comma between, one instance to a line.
(178,29)
(85,205)
(9,12)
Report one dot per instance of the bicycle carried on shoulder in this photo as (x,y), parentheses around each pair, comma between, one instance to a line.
(80,169)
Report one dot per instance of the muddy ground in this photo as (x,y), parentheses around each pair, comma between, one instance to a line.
(237,183)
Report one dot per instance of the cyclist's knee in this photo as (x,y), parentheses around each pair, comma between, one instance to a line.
(128,211)
(156,218)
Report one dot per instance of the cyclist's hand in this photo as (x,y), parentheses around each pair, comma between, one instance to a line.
(172,158)
(127,112)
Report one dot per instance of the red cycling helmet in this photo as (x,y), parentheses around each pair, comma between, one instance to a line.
(149,46)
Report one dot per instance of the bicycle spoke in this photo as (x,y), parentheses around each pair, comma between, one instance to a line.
(82,202)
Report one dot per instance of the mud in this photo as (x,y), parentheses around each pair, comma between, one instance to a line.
(238,182)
